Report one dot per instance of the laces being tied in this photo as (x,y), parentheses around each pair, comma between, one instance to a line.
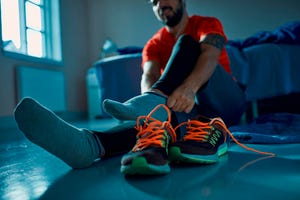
(151,132)
(198,131)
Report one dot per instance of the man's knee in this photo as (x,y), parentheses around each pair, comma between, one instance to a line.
(187,47)
(186,40)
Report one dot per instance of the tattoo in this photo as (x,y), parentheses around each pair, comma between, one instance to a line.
(215,40)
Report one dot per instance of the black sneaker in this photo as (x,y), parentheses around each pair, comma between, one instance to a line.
(150,153)
(203,142)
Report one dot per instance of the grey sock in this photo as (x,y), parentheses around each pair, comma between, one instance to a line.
(79,148)
(137,106)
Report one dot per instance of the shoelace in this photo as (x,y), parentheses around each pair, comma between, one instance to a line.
(197,131)
(151,130)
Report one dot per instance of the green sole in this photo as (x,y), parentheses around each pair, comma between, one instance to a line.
(175,155)
(139,166)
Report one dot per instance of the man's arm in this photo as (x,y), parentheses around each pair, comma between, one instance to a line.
(183,98)
(151,73)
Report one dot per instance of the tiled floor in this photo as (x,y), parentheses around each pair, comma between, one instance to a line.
(29,172)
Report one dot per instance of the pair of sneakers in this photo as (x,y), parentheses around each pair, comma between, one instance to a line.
(157,144)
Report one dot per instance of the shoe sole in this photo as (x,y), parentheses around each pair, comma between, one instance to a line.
(139,166)
(177,156)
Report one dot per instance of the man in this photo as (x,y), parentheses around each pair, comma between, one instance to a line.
(184,64)
(192,68)
(181,73)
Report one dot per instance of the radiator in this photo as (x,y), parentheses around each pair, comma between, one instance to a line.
(46,86)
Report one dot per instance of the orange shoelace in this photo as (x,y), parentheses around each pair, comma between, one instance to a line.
(197,131)
(151,132)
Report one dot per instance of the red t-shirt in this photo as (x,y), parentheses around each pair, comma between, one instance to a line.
(159,47)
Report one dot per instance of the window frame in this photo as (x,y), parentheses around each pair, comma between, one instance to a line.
(52,44)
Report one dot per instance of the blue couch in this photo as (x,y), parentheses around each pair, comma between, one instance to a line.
(266,70)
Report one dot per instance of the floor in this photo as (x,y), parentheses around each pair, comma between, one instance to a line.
(29,172)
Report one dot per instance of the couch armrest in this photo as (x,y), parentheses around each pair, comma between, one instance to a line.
(119,76)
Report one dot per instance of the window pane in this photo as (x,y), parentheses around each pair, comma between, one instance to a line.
(33,16)
(34,43)
(28,30)
(37,1)
(10,24)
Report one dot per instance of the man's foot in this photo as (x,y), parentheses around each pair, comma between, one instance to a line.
(137,106)
(150,153)
(79,148)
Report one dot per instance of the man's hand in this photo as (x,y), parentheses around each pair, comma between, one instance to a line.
(182,99)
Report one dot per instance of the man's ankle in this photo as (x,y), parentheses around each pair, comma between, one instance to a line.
(158,92)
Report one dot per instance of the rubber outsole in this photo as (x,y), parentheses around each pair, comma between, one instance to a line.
(175,155)
(139,166)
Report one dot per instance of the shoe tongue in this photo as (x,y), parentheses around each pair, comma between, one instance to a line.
(145,122)
(201,118)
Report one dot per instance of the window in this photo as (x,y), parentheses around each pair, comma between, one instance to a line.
(31,28)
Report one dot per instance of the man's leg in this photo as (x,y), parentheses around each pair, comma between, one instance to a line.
(180,65)
(79,148)
(221,97)
(119,139)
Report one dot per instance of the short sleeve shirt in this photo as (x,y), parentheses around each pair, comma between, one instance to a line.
(159,47)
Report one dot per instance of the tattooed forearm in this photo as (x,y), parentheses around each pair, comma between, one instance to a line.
(215,40)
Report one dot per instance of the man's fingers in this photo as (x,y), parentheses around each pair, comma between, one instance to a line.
(188,109)
(171,102)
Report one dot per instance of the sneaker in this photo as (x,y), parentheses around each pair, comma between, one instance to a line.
(150,153)
(203,142)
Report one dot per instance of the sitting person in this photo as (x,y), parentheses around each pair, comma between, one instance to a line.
(186,73)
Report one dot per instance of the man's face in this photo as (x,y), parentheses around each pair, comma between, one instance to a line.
(168,12)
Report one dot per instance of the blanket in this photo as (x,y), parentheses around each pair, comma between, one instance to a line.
(288,33)
(274,128)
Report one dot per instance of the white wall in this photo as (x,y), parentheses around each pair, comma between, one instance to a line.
(74,22)
(242,18)
(126,22)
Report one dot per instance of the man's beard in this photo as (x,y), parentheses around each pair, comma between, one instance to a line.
(175,19)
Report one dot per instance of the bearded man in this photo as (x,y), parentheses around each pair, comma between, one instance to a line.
(186,67)
(186,74)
